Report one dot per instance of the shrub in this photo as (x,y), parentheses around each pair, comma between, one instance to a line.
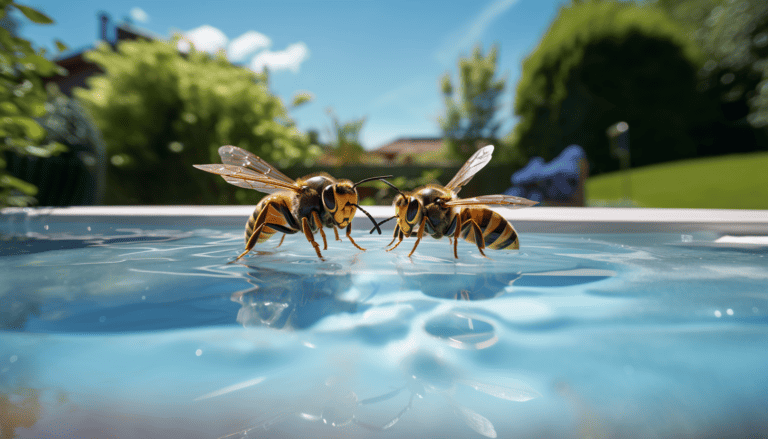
(22,99)
(602,62)
(161,111)
(75,176)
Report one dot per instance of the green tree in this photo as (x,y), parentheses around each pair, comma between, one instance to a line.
(602,62)
(470,111)
(734,35)
(161,111)
(345,140)
(22,99)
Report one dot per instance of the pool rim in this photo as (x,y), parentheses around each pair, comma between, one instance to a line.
(529,220)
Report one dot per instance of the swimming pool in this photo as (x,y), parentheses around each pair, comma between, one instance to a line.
(129,323)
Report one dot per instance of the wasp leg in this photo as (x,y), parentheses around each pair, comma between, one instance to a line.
(349,230)
(261,222)
(456,235)
(419,235)
(394,236)
(400,239)
(479,238)
(319,225)
(336,232)
(310,237)
(251,242)
(281,241)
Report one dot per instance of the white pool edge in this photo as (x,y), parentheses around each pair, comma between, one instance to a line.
(536,219)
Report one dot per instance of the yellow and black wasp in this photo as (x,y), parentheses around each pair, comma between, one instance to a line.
(304,205)
(438,211)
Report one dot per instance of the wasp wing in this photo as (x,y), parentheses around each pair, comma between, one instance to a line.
(508,201)
(475,163)
(249,179)
(232,155)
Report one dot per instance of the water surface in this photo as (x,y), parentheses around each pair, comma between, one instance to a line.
(127,331)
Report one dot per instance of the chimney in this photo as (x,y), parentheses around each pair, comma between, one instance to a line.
(104,25)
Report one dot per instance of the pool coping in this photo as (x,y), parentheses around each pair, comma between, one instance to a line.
(530,220)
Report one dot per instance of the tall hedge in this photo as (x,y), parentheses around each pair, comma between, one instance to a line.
(22,100)
(161,111)
(602,62)
(734,36)
(76,175)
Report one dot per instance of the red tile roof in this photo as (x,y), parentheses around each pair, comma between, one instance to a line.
(410,145)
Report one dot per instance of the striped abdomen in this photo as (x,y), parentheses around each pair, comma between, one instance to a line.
(277,218)
(498,233)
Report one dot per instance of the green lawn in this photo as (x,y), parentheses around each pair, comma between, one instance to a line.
(738,181)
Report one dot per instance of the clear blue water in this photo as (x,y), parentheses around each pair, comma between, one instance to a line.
(137,332)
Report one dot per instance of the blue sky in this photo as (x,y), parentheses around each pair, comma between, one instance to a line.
(362,58)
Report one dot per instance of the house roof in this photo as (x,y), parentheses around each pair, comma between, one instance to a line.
(79,68)
(411,145)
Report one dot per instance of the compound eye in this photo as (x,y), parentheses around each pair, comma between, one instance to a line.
(413,208)
(329,199)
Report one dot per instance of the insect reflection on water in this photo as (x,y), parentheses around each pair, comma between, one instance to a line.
(423,376)
(279,299)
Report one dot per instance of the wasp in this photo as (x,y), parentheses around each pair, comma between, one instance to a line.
(438,211)
(305,205)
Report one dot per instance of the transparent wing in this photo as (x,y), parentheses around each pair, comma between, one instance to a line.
(232,155)
(475,421)
(518,391)
(508,201)
(475,163)
(249,179)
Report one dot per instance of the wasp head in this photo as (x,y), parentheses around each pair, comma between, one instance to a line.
(340,200)
(409,211)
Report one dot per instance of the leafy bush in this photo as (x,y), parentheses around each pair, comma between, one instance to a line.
(75,176)
(734,36)
(161,111)
(22,99)
(602,62)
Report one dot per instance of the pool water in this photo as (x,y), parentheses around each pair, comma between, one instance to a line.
(133,331)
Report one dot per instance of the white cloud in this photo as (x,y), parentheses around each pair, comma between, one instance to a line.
(471,33)
(138,14)
(205,38)
(209,39)
(247,44)
(288,59)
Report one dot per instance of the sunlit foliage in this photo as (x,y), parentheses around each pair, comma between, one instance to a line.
(734,37)
(602,62)
(345,146)
(22,99)
(161,111)
(470,107)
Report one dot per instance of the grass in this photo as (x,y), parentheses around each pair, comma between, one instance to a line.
(738,181)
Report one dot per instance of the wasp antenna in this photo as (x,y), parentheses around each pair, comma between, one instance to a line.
(375,225)
(392,186)
(378,224)
(371,179)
